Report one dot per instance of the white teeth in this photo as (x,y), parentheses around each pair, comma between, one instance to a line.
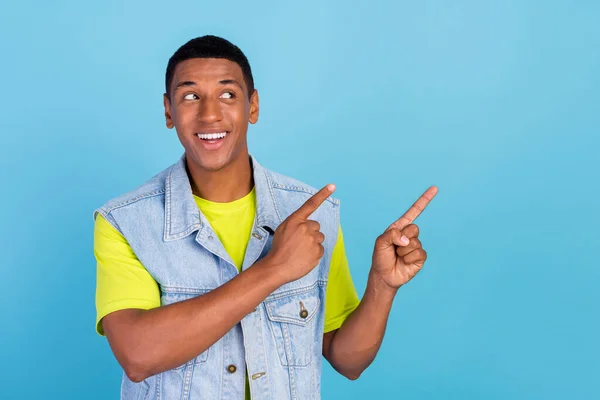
(211,136)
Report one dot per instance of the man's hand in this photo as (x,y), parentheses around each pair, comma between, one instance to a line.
(398,253)
(297,244)
(397,258)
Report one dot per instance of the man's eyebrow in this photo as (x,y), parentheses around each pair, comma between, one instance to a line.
(231,82)
(222,82)
(184,84)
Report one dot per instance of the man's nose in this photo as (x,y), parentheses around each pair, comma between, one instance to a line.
(210,111)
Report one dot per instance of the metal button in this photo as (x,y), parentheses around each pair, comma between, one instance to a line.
(231,369)
(210,238)
(256,235)
(303,311)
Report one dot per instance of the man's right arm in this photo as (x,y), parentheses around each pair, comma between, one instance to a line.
(147,342)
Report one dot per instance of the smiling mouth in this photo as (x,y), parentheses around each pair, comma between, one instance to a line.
(212,137)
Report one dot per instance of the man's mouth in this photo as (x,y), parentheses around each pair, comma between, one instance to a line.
(211,141)
(212,137)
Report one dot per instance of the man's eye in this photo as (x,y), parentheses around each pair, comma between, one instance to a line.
(228,95)
(190,96)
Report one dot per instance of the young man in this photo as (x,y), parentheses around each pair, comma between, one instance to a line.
(220,279)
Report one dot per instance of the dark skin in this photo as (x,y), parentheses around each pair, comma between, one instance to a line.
(211,95)
(207,96)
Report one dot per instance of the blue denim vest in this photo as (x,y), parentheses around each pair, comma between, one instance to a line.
(280,342)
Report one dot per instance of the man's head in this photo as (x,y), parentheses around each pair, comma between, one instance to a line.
(210,99)
(209,47)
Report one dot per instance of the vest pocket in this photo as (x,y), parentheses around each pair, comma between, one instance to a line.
(200,359)
(292,322)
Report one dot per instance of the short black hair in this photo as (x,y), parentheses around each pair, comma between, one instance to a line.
(209,46)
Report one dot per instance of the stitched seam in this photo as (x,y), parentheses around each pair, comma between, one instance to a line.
(273,196)
(295,291)
(168,205)
(293,383)
(303,190)
(189,371)
(158,387)
(291,292)
(135,199)
(182,290)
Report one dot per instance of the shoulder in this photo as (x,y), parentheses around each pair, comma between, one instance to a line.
(152,188)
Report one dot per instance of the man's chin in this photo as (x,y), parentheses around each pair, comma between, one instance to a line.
(208,162)
(213,161)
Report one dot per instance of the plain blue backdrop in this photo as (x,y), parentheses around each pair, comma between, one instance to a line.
(497,103)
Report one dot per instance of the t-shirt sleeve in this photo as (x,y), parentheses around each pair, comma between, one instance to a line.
(341,298)
(121,280)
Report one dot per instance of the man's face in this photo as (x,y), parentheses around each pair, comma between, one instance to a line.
(210,110)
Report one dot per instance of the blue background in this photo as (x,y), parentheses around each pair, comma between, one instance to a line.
(497,103)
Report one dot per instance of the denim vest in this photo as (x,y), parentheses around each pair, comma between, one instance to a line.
(280,342)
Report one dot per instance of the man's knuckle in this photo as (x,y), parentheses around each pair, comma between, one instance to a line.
(411,230)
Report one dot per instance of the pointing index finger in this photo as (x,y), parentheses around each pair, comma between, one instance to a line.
(416,209)
(315,201)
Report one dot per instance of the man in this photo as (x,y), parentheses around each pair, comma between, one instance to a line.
(218,278)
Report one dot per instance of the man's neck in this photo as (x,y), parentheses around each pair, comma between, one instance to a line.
(225,185)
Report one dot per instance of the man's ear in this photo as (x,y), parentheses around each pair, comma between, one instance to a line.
(168,115)
(253,118)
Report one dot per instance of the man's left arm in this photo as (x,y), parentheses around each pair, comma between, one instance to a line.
(397,257)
